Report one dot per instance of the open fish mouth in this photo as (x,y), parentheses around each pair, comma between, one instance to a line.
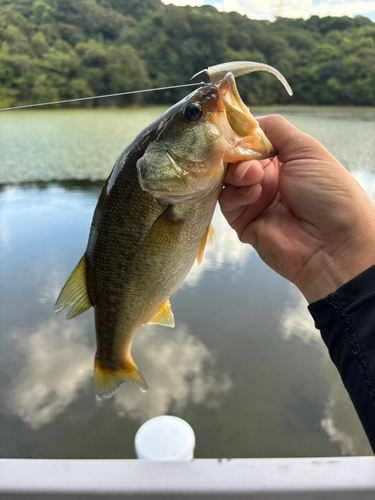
(240,128)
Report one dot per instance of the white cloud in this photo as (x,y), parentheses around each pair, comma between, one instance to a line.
(231,6)
(270,9)
(335,8)
(180,3)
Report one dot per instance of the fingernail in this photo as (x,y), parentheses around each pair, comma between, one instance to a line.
(242,169)
(245,190)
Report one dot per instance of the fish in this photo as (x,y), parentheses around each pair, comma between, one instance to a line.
(153,220)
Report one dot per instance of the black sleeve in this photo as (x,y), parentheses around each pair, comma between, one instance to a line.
(346,320)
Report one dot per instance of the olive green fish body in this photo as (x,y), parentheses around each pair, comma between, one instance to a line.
(138,254)
(122,219)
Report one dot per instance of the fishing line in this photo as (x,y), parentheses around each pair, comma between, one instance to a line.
(101,96)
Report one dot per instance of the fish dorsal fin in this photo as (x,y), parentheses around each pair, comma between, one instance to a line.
(208,239)
(74,292)
(164,316)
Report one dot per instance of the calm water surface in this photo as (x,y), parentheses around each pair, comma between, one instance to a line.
(244,365)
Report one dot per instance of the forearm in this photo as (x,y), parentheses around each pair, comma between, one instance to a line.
(346,319)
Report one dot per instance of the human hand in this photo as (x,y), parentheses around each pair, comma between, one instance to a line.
(303,212)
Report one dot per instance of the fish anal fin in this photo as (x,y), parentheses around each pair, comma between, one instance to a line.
(107,381)
(208,239)
(164,316)
(74,292)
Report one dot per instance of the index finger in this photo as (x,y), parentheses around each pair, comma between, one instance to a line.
(244,173)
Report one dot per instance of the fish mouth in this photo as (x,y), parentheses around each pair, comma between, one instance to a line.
(246,139)
(189,158)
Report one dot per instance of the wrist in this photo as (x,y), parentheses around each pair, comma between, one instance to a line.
(333,273)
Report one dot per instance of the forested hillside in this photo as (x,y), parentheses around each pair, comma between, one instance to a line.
(61,49)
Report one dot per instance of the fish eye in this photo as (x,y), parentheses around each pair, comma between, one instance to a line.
(193,112)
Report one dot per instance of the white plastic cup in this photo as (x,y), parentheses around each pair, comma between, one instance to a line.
(165,438)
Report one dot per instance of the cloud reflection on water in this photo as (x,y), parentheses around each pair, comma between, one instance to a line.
(179,370)
(227,250)
(296,321)
(339,420)
(341,423)
(51,283)
(58,363)
(366,179)
(5,233)
(335,435)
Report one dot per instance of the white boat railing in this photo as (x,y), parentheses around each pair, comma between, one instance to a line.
(344,478)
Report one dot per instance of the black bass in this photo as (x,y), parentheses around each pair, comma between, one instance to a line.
(153,220)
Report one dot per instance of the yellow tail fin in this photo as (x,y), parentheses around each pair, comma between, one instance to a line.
(107,381)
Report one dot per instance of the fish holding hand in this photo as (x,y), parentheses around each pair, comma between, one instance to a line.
(153,217)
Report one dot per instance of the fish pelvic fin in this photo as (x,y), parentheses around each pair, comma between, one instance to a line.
(74,292)
(208,239)
(164,316)
(107,381)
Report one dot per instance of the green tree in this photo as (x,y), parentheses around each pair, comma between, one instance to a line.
(43,90)
(66,47)
(43,10)
(39,44)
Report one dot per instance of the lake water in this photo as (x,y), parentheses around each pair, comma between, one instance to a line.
(244,365)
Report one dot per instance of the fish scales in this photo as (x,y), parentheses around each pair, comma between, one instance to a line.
(126,260)
(112,254)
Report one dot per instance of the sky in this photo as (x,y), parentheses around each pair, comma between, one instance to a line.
(270,9)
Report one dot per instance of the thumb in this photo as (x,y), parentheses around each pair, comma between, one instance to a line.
(290,142)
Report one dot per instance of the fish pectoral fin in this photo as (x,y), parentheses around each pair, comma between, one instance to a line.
(164,316)
(107,381)
(208,239)
(211,236)
(74,292)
